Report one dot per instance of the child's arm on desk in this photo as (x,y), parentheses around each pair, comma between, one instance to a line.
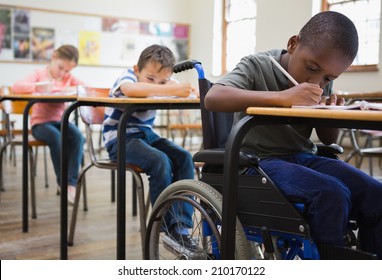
(32,83)
(171,88)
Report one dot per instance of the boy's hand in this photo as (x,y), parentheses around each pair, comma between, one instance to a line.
(184,89)
(305,94)
(332,100)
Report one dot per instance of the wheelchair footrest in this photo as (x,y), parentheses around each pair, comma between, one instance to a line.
(331,252)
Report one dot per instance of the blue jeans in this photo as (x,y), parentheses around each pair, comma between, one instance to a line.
(50,132)
(334,192)
(163,161)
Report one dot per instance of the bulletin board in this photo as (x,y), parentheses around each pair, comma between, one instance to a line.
(31,35)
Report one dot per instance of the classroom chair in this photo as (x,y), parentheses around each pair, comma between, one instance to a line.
(3,128)
(367,151)
(92,116)
(14,138)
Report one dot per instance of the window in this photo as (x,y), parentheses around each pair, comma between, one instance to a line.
(239,31)
(366,16)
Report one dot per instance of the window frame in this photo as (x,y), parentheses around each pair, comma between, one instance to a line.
(224,38)
(353,68)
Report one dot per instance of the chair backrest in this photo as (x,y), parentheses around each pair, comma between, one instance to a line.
(15,107)
(92,115)
(216,125)
(12,107)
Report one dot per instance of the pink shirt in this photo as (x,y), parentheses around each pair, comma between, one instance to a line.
(45,112)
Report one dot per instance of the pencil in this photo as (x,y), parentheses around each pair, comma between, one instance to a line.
(283,70)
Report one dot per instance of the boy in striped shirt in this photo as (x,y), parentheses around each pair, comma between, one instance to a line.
(162,160)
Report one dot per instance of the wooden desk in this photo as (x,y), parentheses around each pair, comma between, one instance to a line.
(32,98)
(277,116)
(350,97)
(129,105)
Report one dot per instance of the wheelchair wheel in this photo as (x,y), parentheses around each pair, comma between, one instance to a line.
(206,232)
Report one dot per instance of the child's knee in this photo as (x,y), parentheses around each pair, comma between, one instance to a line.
(338,197)
(160,164)
(185,158)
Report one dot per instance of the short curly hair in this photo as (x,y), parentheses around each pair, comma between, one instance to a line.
(333,30)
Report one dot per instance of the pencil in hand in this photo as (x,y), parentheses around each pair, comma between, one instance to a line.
(283,70)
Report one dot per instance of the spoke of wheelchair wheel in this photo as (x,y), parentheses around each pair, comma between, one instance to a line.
(205,237)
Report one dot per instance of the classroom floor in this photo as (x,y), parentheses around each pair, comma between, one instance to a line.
(95,237)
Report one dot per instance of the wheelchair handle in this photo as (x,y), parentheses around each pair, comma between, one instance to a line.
(190,64)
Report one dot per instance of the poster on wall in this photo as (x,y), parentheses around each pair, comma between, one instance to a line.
(65,36)
(42,43)
(181,34)
(174,36)
(129,52)
(21,47)
(31,35)
(89,47)
(21,31)
(5,34)
(116,25)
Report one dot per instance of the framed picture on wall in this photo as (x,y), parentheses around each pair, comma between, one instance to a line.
(42,43)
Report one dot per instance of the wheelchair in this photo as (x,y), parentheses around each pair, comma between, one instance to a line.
(268,224)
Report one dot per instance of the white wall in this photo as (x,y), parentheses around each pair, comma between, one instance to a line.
(277,21)
(275,25)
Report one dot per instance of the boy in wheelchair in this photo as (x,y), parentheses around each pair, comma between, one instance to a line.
(333,191)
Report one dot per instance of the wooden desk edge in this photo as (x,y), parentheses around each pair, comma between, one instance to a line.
(137,100)
(317,113)
(38,96)
(360,95)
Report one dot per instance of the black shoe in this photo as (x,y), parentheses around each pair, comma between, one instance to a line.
(184,240)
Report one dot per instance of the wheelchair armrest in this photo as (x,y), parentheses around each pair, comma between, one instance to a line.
(212,156)
(248,158)
(216,156)
(329,150)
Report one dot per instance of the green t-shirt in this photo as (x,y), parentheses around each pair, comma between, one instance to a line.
(257,72)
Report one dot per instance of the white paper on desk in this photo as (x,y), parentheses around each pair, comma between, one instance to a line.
(162,97)
(191,96)
(59,93)
(65,93)
(373,106)
(361,105)
(43,83)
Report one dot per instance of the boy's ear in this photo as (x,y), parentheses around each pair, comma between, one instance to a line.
(292,44)
(136,70)
(54,55)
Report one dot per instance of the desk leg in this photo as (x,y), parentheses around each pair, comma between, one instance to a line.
(230,182)
(25,166)
(121,185)
(64,180)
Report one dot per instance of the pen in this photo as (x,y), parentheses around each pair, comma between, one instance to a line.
(283,70)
